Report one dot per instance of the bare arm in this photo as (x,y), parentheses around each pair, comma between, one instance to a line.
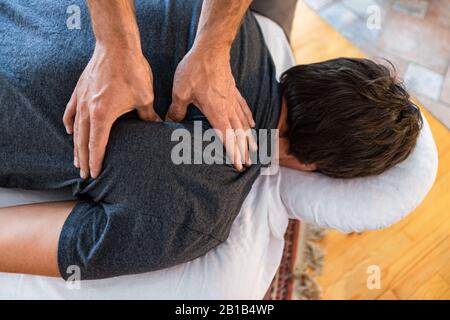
(29,237)
(204,77)
(116,80)
(114,23)
(219,22)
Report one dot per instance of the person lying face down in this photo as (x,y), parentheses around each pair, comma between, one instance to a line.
(144,212)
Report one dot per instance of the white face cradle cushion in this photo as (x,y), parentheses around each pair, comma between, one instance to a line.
(362,204)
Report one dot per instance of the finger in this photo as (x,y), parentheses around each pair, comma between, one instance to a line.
(229,141)
(246,110)
(76,162)
(148,114)
(251,140)
(226,135)
(177,110)
(83,141)
(231,146)
(241,139)
(242,118)
(98,140)
(69,113)
(251,144)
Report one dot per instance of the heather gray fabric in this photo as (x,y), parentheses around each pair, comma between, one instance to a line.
(280,11)
(143,213)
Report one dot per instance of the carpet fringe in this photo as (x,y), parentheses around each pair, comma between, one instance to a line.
(306,287)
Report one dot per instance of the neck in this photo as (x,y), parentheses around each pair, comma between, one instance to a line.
(285,159)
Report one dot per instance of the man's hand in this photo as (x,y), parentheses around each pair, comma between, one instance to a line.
(117,79)
(204,78)
(114,82)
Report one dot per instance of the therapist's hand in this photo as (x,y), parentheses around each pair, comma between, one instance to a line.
(114,82)
(204,78)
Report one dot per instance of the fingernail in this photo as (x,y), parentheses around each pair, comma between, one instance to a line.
(75,163)
(168,119)
(94,174)
(253,147)
(83,175)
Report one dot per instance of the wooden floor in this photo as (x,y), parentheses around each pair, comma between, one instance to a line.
(413,255)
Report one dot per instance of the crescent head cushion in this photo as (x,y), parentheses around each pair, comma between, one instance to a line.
(367,203)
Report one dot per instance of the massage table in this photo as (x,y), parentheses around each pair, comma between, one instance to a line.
(244,266)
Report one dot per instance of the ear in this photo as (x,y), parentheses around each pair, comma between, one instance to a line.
(288,160)
(293,163)
(306,167)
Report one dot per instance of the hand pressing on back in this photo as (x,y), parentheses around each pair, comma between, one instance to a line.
(114,82)
(204,78)
(117,79)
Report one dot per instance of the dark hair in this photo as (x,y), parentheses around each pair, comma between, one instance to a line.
(350,117)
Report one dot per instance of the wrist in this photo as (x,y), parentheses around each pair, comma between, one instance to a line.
(118,47)
(210,42)
(213,49)
(126,42)
(114,24)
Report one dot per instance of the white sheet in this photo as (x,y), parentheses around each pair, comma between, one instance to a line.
(241,268)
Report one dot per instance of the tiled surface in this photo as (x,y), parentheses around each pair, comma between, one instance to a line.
(445,95)
(439,12)
(417,40)
(338,15)
(424,81)
(417,8)
(359,7)
(439,109)
(319,4)
(413,34)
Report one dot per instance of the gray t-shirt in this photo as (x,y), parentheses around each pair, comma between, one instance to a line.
(143,212)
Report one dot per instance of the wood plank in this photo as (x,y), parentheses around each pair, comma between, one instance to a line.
(434,289)
(388,295)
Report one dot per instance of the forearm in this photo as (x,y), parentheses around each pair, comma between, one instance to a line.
(114,23)
(219,22)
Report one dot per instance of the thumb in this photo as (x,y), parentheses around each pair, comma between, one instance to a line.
(148,114)
(177,110)
(69,113)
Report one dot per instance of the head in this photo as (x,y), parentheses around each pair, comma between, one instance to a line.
(347,118)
